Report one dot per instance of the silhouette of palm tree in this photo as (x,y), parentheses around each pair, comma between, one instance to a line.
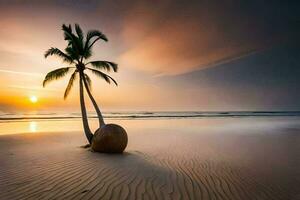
(77,52)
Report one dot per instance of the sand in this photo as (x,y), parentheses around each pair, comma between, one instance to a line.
(175,162)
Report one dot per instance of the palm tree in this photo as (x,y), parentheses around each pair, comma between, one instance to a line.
(77,53)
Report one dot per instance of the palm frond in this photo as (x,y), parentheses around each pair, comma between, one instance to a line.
(104,65)
(79,31)
(87,53)
(59,53)
(67,32)
(88,81)
(70,84)
(72,52)
(106,77)
(56,74)
(73,41)
(90,35)
(95,33)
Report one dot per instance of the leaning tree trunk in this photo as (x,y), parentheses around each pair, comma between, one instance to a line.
(100,117)
(85,122)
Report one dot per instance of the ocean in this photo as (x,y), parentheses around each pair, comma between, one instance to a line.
(14,123)
(6,117)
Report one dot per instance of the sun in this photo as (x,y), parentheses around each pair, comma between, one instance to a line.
(33,99)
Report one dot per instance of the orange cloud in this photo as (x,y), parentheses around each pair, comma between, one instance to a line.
(176,38)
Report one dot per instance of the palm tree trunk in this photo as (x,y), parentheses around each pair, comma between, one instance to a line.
(85,122)
(100,117)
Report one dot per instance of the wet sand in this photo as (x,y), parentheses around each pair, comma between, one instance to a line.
(176,160)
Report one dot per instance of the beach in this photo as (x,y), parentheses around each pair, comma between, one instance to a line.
(199,158)
(149,100)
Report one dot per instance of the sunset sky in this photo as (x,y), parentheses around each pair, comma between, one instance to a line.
(172,55)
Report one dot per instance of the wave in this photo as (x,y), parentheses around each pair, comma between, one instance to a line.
(146,115)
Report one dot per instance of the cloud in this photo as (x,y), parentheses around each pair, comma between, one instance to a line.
(32,88)
(159,37)
(177,38)
(20,73)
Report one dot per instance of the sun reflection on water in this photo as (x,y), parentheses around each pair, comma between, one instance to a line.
(32,127)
